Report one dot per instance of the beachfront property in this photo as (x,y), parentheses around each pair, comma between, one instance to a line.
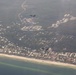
(42,53)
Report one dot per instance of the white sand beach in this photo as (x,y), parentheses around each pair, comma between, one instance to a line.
(39,61)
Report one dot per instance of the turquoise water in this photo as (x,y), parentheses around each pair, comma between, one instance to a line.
(17,67)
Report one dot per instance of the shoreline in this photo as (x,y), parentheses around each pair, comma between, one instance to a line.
(39,61)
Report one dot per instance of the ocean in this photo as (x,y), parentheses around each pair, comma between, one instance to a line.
(18,67)
(47,12)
